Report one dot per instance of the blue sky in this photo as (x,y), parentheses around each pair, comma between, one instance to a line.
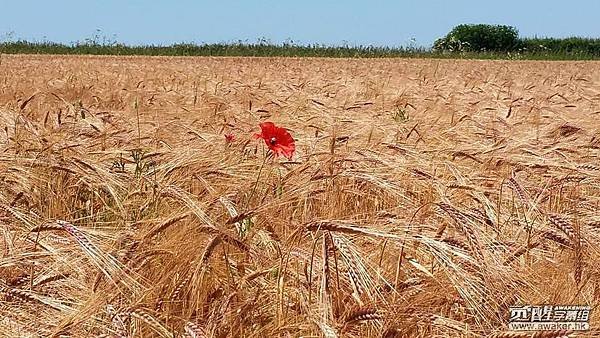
(374,22)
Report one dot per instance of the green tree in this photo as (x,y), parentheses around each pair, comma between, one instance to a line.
(479,38)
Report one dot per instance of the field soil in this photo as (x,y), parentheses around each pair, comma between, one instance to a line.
(424,197)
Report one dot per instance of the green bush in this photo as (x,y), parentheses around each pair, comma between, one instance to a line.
(573,46)
(479,38)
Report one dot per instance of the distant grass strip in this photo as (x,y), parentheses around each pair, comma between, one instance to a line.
(275,50)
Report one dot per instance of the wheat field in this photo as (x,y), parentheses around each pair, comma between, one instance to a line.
(425,197)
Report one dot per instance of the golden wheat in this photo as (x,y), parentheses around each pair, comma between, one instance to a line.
(425,196)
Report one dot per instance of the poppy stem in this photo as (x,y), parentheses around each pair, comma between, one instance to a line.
(256,182)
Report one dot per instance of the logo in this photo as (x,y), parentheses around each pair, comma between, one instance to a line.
(549,317)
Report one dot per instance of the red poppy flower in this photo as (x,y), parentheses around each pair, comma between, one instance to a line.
(229,138)
(277,139)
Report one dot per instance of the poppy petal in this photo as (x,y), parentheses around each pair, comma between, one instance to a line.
(277,139)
